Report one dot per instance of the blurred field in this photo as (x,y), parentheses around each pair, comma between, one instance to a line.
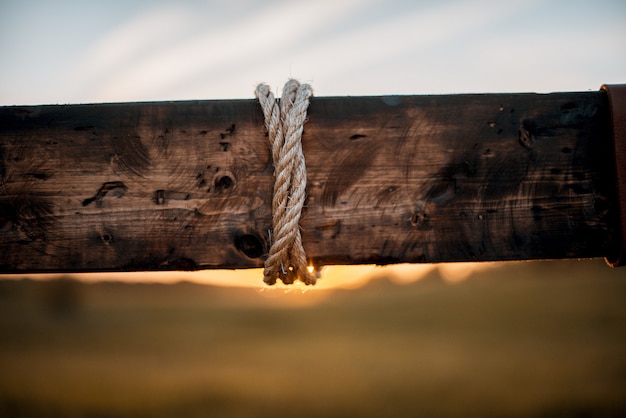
(521,340)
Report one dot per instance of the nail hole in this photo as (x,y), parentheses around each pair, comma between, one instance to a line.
(418,219)
(159,197)
(106,238)
(224,183)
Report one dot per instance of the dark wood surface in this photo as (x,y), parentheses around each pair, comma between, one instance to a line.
(187,185)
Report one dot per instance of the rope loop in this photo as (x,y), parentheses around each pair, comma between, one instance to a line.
(284,121)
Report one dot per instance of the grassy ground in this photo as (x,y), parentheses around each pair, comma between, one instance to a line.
(522,340)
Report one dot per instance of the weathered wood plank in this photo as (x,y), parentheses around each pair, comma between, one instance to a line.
(187,185)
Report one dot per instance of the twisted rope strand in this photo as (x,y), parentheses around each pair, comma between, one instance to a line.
(284,122)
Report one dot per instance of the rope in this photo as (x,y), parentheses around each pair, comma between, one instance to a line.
(284,121)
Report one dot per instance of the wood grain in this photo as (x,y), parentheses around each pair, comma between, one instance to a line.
(187,185)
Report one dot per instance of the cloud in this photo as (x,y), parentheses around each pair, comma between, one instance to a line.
(139,60)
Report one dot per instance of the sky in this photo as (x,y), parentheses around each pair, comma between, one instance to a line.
(60,52)
(70,52)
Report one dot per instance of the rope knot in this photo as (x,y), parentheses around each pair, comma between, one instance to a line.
(284,121)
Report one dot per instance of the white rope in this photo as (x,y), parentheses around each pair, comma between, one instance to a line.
(284,122)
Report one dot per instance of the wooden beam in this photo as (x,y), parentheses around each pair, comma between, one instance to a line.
(187,185)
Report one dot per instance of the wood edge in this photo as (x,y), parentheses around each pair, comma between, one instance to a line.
(617,102)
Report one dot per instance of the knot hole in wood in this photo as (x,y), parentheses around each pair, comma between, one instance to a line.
(250,244)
